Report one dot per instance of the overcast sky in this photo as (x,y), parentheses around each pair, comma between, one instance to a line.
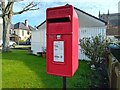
(90,6)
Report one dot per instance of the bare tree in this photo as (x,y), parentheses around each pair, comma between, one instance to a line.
(7,13)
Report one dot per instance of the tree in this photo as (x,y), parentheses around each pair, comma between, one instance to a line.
(95,48)
(7,13)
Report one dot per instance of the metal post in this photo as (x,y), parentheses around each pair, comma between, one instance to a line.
(64,83)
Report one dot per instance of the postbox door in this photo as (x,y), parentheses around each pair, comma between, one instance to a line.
(63,65)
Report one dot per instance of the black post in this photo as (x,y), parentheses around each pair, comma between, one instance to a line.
(64,83)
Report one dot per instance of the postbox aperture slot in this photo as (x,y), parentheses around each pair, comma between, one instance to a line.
(59,20)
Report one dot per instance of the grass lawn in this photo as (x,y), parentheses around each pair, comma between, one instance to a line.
(20,70)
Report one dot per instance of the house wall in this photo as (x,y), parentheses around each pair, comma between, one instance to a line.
(89,32)
(88,26)
(113,32)
(20,32)
(39,38)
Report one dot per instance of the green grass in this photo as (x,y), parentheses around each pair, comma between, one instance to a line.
(20,70)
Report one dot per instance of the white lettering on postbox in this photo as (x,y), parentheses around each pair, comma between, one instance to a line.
(58,51)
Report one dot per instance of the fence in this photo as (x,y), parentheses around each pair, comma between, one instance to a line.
(114,72)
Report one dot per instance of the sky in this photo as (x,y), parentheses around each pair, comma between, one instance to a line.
(37,17)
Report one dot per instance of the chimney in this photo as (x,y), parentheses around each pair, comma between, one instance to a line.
(99,14)
(108,12)
(26,23)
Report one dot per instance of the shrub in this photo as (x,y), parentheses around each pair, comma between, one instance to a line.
(95,48)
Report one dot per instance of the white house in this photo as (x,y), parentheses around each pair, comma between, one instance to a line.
(20,31)
(89,26)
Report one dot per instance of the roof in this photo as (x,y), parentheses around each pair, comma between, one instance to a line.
(112,14)
(114,18)
(115,22)
(41,24)
(21,25)
(82,12)
(14,35)
(12,26)
(31,28)
(90,15)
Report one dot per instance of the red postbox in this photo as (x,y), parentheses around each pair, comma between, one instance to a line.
(62,41)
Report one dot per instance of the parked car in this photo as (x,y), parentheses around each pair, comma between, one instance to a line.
(115,50)
(28,41)
(11,43)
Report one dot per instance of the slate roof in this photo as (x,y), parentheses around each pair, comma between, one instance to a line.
(113,18)
(12,26)
(115,22)
(21,25)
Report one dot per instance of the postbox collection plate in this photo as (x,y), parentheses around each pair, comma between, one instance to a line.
(58,51)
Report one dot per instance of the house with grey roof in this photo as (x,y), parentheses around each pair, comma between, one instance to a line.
(20,31)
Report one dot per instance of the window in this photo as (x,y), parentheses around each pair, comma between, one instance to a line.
(10,32)
(22,32)
(14,33)
(28,32)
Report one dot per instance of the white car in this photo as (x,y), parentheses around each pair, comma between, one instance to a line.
(11,43)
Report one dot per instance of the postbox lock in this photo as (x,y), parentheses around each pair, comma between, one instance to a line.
(58,36)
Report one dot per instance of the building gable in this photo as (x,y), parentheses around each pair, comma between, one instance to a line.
(85,15)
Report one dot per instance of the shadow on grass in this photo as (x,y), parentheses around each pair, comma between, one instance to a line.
(37,65)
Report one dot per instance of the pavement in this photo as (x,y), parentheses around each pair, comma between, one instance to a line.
(25,47)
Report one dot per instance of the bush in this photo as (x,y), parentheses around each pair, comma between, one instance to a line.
(95,48)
